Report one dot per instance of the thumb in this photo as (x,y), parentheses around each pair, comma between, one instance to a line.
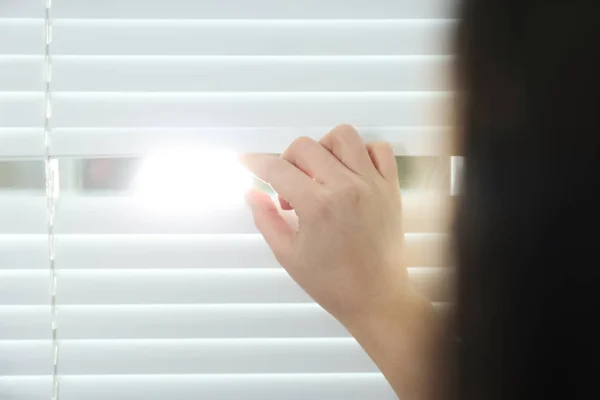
(277,232)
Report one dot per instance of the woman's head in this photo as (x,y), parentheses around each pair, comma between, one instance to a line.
(528,77)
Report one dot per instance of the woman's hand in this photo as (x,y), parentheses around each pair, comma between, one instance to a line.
(346,250)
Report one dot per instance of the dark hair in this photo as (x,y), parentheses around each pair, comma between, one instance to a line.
(528,81)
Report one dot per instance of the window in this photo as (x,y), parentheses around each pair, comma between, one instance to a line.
(158,306)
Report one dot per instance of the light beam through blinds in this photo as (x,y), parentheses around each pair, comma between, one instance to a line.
(193,305)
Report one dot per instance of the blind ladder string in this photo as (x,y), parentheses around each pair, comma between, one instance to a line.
(52,193)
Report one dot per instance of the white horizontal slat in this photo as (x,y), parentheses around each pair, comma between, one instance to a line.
(229,37)
(228,74)
(27,216)
(21,36)
(115,142)
(281,109)
(171,321)
(183,321)
(25,322)
(192,356)
(211,9)
(335,386)
(422,212)
(98,214)
(23,251)
(174,251)
(21,142)
(107,286)
(252,37)
(21,73)
(205,286)
(21,109)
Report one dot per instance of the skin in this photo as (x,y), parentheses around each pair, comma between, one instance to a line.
(346,248)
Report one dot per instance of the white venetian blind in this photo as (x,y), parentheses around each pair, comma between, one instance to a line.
(154,306)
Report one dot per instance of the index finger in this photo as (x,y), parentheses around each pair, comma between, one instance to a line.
(285,178)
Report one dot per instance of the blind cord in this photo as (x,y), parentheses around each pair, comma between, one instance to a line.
(52,192)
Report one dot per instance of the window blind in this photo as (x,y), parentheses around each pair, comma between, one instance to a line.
(194,306)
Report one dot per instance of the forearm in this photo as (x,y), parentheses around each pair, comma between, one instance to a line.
(403,339)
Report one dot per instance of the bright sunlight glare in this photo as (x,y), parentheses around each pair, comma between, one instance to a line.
(189,180)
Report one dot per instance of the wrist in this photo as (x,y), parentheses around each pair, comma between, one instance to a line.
(400,336)
(397,304)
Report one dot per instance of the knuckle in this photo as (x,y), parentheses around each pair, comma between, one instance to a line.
(383,150)
(337,134)
(301,143)
(384,147)
(297,148)
(344,129)
(342,136)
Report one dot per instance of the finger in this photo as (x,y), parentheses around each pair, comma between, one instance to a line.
(287,180)
(383,158)
(348,147)
(276,231)
(314,160)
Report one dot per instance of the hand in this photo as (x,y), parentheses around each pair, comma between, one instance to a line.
(346,250)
